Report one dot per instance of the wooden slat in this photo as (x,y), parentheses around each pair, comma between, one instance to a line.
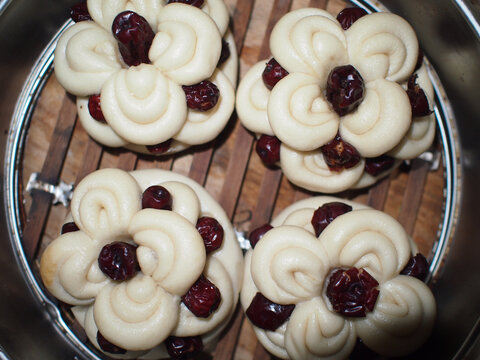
(41,201)
(266,200)
(234,179)
(235,171)
(226,346)
(241,18)
(92,157)
(377,195)
(321,4)
(413,194)
(127,161)
(200,164)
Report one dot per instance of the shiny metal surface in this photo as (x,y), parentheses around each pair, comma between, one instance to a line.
(26,329)
(451,40)
(449,35)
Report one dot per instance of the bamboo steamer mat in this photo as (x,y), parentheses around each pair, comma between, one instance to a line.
(58,148)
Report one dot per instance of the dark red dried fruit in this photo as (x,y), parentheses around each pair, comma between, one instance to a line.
(345,89)
(107,346)
(118,260)
(266,314)
(197,3)
(348,16)
(225,54)
(180,347)
(69,227)
(95,109)
(417,97)
(157,197)
(273,73)
(160,148)
(258,233)
(375,166)
(326,213)
(339,154)
(203,297)
(134,36)
(202,96)
(79,12)
(417,267)
(268,148)
(211,232)
(352,292)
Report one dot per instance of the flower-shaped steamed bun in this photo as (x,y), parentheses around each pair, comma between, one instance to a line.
(153,76)
(342,101)
(148,260)
(327,272)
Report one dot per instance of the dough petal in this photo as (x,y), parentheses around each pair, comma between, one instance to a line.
(368,239)
(187,46)
(382,46)
(204,126)
(189,324)
(314,332)
(299,115)
(309,40)
(217,10)
(380,122)
(418,139)
(170,250)
(309,171)
(85,57)
(104,202)
(69,268)
(143,106)
(104,12)
(136,314)
(289,265)
(252,101)
(402,319)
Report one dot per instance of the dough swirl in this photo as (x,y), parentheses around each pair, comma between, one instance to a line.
(137,313)
(368,239)
(382,45)
(403,320)
(381,121)
(187,45)
(189,324)
(171,250)
(310,171)
(299,115)
(314,332)
(310,41)
(102,208)
(143,106)
(252,100)
(202,127)
(289,265)
(85,57)
(69,269)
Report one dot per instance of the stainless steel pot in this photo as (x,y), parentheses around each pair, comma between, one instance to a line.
(449,31)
